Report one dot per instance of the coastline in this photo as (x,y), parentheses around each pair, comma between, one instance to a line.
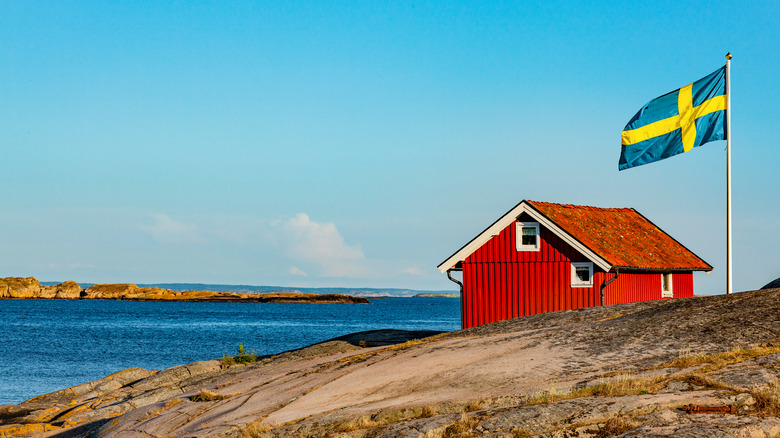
(31,288)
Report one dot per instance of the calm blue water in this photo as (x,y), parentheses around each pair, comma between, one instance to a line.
(46,345)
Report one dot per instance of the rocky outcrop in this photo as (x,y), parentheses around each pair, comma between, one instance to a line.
(19,287)
(16,287)
(702,366)
(69,290)
(105,398)
(129,292)
(108,291)
(774,284)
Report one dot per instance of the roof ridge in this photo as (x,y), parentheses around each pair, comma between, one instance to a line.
(610,236)
(585,207)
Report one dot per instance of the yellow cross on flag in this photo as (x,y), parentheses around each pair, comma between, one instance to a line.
(676,122)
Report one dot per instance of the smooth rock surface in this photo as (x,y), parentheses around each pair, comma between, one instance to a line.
(546,375)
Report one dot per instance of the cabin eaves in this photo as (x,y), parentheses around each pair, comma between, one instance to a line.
(609,237)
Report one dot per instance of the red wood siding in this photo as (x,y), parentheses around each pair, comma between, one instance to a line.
(632,286)
(500,282)
(682,284)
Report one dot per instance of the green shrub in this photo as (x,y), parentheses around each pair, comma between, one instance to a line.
(242,356)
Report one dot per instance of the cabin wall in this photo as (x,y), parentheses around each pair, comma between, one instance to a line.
(682,284)
(500,282)
(633,286)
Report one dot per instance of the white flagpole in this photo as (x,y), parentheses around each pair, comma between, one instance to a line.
(728,174)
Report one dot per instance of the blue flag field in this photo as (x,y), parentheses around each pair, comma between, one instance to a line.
(676,122)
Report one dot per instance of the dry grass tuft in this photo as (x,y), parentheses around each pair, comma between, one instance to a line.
(700,378)
(352,424)
(429,411)
(714,361)
(768,400)
(172,402)
(255,430)
(616,425)
(475,405)
(463,428)
(366,423)
(520,433)
(616,373)
(549,396)
(621,385)
(382,419)
(207,396)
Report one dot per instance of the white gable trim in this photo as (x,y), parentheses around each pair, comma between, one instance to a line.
(568,238)
(508,218)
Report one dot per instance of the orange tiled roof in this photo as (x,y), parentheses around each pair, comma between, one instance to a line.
(622,237)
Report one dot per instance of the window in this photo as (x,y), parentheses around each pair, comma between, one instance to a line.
(581,274)
(527,236)
(666,285)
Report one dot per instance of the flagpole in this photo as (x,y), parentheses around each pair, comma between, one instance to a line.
(728,174)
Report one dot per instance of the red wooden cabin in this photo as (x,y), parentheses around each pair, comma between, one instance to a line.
(543,257)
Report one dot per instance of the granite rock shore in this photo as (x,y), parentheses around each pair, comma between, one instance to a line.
(30,288)
(694,367)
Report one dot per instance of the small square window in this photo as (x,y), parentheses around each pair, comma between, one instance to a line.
(527,236)
(666,285)
(582,274)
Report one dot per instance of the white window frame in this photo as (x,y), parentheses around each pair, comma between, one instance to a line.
(575,281)
(664,292)
(519,236)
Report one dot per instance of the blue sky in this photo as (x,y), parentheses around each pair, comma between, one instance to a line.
(361,143)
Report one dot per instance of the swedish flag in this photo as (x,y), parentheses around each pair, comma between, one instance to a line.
(676,122)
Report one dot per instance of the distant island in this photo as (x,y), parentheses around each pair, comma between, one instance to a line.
(365,292)
(437,295)
(30,288)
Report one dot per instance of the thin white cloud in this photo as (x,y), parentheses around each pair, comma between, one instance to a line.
(164,229)
(322,246)
(296,271)
(412,270)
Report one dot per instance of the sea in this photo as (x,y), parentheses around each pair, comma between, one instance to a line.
(48,345)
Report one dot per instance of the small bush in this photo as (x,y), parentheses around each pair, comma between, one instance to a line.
(241,357)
